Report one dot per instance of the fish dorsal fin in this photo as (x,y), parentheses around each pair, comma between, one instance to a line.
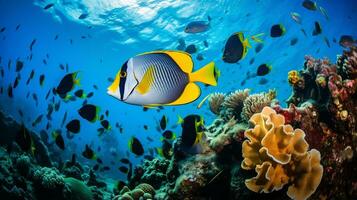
(146,82)
(190,93)
(181,58)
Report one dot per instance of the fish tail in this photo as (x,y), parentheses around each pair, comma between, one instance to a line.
(180,120)
(257,38)
(205,75)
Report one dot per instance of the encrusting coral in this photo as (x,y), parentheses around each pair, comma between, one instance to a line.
(279,155)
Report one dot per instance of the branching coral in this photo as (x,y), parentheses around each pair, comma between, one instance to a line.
(279,155)
(215,102)
(256,102)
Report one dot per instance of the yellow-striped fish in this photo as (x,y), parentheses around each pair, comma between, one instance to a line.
(160,78)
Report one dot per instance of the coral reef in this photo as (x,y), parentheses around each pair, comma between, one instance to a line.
(279,155)
(324,105)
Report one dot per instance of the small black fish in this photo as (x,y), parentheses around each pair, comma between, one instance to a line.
(89,153)
(44,61)
(2,29)
(146,127)
(105,124)
(123,169)
(110,79)
(57,106)
(48,6)
(136,147)
(263,69)
(2,72)
(20,113)
(317,29)
(64,119)
(251,61)
(61,66)
(99,161)
(89,95)
(74,126)
(236,48)
(106,168)
(35,98)
(67,84)
(191,49)
(16,82)
(95,87)
(42,79)
(48,94)
(304,32)
(58,139)
(80,93)
(163,122)
(48,125)
(310,5)
(169,135)
(205,43)
(30,77)
(83,16)
(56,37)
(89,112)
(17,27)
(149,138)
(277,30)
(293,41)
(37,120)
(9,91)
(125,161)
(107,113)
(95,167)
(199,57)
(32,44)
(19,65)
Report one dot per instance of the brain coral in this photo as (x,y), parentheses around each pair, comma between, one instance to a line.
(279,155)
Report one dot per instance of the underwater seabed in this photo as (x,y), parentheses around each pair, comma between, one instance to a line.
(256,148)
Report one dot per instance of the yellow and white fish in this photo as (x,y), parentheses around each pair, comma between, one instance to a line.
(160,78)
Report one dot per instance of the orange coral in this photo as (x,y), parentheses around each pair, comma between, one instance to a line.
(279,155)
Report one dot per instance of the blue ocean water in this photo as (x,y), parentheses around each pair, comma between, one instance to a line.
(116,30)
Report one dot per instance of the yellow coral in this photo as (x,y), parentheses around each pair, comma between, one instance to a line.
(279,155)
(293,77)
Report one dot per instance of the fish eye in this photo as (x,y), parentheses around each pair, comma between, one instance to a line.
(122,74)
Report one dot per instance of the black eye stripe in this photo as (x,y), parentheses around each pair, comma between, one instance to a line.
(123,79)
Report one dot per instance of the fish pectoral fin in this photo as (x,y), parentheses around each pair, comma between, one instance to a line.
(190,93)
(146,82)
